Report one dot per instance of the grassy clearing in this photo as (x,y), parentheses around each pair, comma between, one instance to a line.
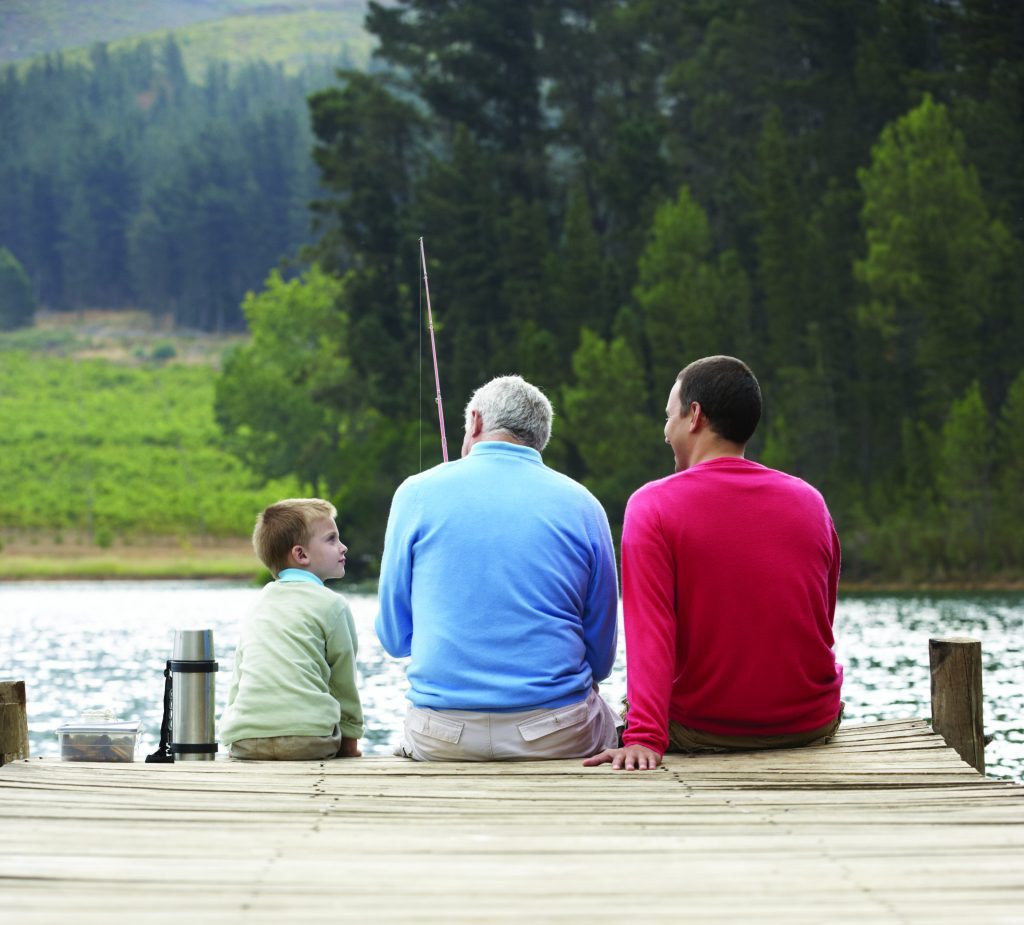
(119,451)
(52,554)
(111,462)
(60,554)
(293,40)
(101,567)
(128,338)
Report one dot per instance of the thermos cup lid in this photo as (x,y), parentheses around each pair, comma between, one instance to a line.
(193,645)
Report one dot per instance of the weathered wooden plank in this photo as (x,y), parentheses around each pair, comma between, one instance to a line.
(886,824)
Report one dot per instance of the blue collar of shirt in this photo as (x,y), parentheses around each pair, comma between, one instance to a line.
(298,574)
(500,447)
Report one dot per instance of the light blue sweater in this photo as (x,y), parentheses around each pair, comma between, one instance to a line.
(498,578)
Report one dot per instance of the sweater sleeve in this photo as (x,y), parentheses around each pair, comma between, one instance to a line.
(648,592)
(342,648)
(833,574)
(600,610)
(394,590)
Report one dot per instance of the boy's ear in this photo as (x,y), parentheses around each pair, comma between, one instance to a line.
(299,555)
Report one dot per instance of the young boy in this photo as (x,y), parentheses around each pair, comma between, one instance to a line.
(293,692)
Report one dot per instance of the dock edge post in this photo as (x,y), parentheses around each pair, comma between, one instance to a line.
(13,722)
(957,706)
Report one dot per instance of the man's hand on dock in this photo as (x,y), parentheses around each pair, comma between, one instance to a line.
(631,758)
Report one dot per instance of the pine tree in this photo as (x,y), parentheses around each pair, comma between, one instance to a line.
(965,481)
(456,209)
(931,259)
(473,63)
(782,250)
(17,304)
(366,152)
(577,284)
(692,304)
(1009,478)
(609,386)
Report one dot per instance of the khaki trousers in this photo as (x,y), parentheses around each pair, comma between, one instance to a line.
(688,740)
(574,731)
(288,748)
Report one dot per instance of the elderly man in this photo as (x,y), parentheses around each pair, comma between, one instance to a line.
(729,577)
(498,578)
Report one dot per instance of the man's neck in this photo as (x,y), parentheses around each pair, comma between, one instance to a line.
(716,449)
(499,437)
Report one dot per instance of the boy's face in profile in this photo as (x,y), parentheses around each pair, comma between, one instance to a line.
(324,553)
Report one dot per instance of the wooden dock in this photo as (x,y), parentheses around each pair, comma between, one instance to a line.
(885,824)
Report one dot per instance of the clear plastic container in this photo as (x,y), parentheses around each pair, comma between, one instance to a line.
(98,739)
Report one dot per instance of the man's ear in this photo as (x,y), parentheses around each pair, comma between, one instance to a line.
(697,418)
(476,425)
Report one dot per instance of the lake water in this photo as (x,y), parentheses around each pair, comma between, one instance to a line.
(82,646)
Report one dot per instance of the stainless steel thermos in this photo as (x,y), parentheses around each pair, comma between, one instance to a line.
(193,672)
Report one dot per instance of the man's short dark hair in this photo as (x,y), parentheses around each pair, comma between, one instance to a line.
(728,393)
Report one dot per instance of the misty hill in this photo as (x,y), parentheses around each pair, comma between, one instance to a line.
(289,32)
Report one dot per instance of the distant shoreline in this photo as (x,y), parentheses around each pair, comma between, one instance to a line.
(149,570)
(32,556)
(27,556)
(980,586)
(233,560)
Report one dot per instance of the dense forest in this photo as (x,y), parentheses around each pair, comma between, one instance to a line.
(831,189)
(125,181)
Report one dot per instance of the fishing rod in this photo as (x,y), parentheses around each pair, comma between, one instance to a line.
(433,352)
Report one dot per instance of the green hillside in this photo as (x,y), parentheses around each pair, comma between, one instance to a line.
(287,32)
(290,39)
(112,441)
(35,27)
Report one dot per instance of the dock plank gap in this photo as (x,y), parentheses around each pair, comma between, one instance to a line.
(887,823)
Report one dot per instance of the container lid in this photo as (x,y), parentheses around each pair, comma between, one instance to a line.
(193,645)
(126,727)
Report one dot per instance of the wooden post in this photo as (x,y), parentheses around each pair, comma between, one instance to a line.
(13,721)
(956,696)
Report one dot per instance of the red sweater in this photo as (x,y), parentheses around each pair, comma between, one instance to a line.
(729,577)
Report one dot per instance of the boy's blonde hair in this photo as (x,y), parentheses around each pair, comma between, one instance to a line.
(286,524)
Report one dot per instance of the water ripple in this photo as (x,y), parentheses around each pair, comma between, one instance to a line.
(82,646)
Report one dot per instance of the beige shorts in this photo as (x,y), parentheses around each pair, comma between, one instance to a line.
(574,731)
(288,748)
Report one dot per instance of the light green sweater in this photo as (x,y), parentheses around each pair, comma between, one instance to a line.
(295,667)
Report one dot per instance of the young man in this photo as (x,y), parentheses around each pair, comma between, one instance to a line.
(498,578)
(729,573)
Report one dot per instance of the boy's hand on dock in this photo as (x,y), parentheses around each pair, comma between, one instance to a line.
(349,749)
(631,758)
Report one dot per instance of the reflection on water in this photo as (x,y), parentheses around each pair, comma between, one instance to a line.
(883,641)
(98,644)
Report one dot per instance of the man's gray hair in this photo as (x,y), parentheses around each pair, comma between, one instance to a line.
(509,405)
